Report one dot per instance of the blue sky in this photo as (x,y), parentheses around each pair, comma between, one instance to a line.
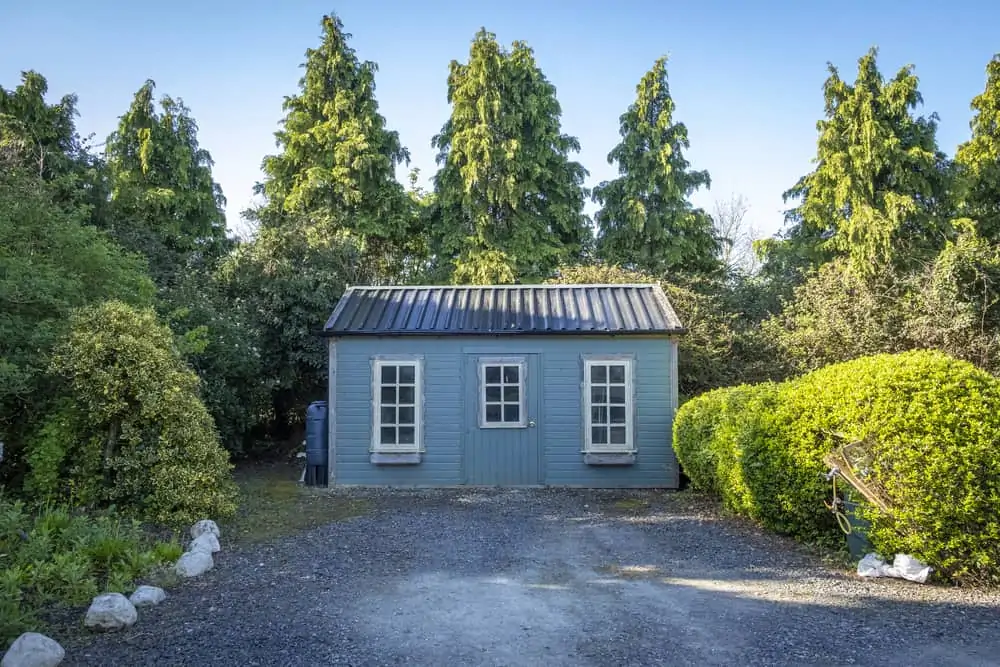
(746,77)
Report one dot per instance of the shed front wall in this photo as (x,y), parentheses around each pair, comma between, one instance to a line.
(449,419)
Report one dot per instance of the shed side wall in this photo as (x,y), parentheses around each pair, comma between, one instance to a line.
(560,423)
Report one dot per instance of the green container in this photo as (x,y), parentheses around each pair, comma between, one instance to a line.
(857,542)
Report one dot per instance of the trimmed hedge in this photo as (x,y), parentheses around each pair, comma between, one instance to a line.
(933,427)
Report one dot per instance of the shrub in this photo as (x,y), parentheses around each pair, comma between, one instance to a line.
(133,433)
(55,556)
(931,425)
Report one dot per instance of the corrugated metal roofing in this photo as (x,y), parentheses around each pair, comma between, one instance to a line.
(507,309)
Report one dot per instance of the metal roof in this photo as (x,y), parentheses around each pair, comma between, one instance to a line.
(503,309)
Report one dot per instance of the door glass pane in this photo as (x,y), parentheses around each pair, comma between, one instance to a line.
(406,395)
(407,374)
(388,415)
(616,373)
(599,435)
(493,393)
(406,416)
(512,412)
(388,395)
(599,415)
(511,394)
(492,375)
(617,394)
(388,375)
(388,435)
(598,394)
(617,435)
(618,414)
(493,413)
(511,374)
(407,435)
(598,374)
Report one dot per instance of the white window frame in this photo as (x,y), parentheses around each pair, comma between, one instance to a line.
(378,363)
(522,374)
(628,447)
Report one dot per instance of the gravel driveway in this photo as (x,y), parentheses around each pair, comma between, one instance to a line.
(548,578)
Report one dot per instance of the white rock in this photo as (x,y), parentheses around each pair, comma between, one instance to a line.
(33,650)
(110,611)
(194,563)
(205,526)
(147,596)
(206,542)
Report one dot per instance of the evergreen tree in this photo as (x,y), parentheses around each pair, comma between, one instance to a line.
(165,204)
(979,158)
(876,192)
(509,201)
(337,165)
(42,139)
(647,221)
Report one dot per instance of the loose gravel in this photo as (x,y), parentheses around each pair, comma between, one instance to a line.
(545,577)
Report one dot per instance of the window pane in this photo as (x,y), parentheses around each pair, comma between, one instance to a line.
(617,435)
(511,394)
(388,375)
(388,415)
(493,413)
(492,375)
(510,374)
(388,395)
(407,374)
(493,394)
(598,394)
(599,435)
(618,414)
(599,415)
(512,413)
(599,374)
(406,416)
(617,394)
(388,435)
(406,395)
(407,435)
(616,373)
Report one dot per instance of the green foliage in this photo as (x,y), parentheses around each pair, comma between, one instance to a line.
(954,305)
(221,342)
(509,201)
(930,424)
(288,280)
(338,160)
(164,203)
(138,436)
(878,181)
(50,263)
(978,159)
(721,346)
(647,221)
(838,315)
(58,556)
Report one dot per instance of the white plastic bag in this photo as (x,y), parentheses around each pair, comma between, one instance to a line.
(903,567)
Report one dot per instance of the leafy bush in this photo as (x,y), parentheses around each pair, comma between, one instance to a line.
(931,424)
(133,432)
(55,556)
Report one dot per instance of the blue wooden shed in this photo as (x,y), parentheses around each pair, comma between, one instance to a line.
(521,385)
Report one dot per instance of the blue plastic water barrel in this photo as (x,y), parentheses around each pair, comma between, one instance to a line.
(317,451)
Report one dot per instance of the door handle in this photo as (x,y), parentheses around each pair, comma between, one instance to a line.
(531,423)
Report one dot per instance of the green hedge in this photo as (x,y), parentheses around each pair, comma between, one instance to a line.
(933,424)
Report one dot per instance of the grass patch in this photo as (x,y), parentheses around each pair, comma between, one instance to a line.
(274,504)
